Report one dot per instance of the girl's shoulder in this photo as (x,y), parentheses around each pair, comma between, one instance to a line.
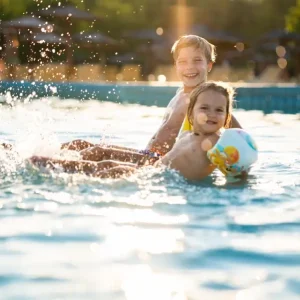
(185,134)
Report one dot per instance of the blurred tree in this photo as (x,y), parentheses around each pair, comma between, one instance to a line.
(292,19)
(12,8)
(273,14)
(247,18)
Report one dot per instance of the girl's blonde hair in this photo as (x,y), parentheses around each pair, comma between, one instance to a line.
(220,87)
(208,49)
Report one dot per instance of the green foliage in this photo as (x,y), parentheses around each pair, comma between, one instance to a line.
(12,8)
(293,18)
(246,18)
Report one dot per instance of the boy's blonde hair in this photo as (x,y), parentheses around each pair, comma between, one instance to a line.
(221,87)
(209,50)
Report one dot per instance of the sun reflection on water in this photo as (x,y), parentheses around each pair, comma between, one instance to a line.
(142,283)
(135,216)
(121,241)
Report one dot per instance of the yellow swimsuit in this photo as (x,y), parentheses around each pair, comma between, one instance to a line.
(186,126)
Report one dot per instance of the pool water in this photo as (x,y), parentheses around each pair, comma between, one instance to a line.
(152,235)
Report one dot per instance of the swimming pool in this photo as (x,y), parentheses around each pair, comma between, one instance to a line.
(265,97)
(153,235)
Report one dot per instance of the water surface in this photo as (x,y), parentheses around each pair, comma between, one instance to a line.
(152,235)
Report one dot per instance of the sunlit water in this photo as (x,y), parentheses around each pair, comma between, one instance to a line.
(152,235)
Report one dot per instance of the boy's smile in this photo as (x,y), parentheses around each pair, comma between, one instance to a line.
(192,67)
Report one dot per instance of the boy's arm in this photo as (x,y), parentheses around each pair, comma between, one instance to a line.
(165,137)
(234,123)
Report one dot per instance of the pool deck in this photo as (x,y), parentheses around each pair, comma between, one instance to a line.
(250,96)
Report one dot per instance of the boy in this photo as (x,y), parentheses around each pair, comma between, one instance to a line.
(209,111)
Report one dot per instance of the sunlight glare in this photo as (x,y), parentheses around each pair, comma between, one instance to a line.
(143,283)
(161,78)
(159,31)
(133,216)
(121,241)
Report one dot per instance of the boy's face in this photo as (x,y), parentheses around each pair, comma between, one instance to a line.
(192,67)
(209,113)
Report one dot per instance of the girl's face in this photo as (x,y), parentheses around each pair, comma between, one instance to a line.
(209,113)
(192,67)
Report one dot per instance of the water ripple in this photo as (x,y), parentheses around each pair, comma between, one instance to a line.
(71,236)
(250,257)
